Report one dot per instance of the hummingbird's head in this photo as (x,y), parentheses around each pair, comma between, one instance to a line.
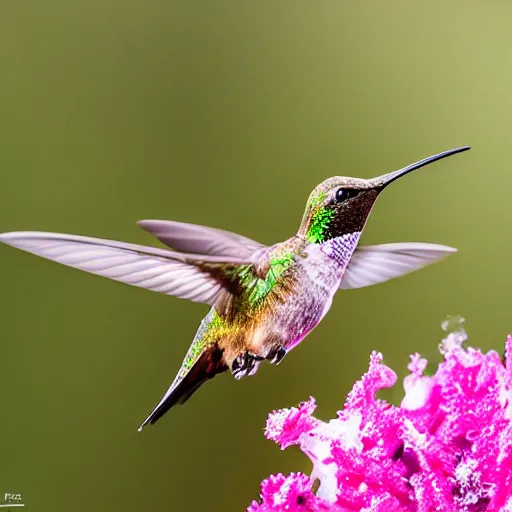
(341,205)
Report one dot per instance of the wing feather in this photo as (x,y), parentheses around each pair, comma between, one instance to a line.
(193,238)
(188,276)
(372,264)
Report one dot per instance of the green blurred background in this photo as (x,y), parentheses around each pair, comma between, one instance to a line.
(228,113)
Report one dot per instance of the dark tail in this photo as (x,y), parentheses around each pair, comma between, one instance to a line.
(209,364)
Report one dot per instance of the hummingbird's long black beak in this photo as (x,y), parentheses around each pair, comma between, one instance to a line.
(386,179)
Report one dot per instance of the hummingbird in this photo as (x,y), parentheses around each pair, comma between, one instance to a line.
(264,299)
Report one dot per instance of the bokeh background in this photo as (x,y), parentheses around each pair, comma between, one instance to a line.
(228,113)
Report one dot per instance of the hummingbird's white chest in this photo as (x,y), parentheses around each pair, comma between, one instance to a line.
(317,279)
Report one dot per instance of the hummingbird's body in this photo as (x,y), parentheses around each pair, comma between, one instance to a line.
(264,300)
(277,311)
(269,318)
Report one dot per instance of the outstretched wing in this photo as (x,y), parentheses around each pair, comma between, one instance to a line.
(372,264)
(192,238)
(199,278)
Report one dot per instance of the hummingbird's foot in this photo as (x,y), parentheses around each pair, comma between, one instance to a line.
(276,356)
(245,364)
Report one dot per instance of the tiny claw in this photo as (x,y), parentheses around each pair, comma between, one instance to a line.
(245,364)
(235,366)
(276,356)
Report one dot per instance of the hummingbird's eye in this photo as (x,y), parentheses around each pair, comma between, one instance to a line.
(342,194)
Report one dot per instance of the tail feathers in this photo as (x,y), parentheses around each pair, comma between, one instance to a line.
(209,364)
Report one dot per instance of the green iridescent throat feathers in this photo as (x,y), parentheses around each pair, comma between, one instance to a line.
(321,216)
(319,225)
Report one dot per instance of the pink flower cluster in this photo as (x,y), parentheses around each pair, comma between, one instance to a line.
(448,447)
